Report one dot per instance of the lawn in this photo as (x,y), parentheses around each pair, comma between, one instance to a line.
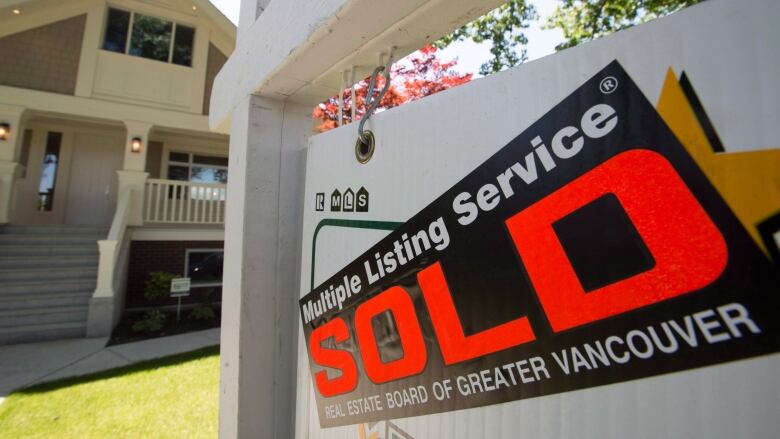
(173,397)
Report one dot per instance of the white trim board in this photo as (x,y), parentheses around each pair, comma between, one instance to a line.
(169,234)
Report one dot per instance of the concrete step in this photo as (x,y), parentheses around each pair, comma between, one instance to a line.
(7,262)
(17,275)
(54,230)
(42,332)
(49,250)
(47,240)
(47,287)
(43,316)
(30,301)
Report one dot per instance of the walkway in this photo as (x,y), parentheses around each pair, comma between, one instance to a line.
(26,364)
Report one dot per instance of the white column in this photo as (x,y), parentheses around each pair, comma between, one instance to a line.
(262,254)
(133,173)
(10,148)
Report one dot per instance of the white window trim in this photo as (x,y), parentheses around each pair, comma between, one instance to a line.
(129,36)
(187,253)
(191,153)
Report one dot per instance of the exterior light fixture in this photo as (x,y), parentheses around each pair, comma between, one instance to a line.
(5,131)
(17,11)
(194,8)
(136,144)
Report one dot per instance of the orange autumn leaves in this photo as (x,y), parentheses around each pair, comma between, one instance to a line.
(418,75)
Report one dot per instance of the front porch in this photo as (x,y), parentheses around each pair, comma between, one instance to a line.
(105,184)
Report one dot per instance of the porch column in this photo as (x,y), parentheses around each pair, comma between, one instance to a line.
(133,173)
(10,149)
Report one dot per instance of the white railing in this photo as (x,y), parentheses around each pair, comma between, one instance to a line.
(183,202)
(111,266)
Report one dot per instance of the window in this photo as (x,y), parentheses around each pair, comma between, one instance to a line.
(148,37)
(197,168)
(204,267)
(51,158)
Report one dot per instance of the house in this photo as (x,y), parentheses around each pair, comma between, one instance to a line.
(108,170)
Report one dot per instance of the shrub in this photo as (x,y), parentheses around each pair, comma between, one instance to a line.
(158,286)
(153,321)
(203,312)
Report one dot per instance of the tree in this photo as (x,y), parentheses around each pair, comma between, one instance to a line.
(503,27)
(580,20)
(585,20)
(418,75)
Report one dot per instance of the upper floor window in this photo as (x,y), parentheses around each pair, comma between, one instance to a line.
(148,37)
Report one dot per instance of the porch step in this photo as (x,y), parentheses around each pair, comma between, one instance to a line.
(49,250)
(48,240)
(46,287)
(7,262)
(28,301)
(42,332)
(54,230)
(43,316)
(18,275)
(47,277)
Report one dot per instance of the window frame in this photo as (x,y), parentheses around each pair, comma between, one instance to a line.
(191,157)
(129,35)
(189,251)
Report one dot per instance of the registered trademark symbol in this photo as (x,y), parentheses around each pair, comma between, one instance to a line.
(608,85)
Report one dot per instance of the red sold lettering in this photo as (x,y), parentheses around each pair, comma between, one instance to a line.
(455,345)
(398,302)
(689,250)
(334,358)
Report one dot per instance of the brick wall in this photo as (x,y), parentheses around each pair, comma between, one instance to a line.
(45,58)
(149,256)
(216,60)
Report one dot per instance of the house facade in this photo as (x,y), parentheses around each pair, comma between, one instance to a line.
(108,170)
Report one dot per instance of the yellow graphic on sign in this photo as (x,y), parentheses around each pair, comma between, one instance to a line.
(749,181)
(362,433)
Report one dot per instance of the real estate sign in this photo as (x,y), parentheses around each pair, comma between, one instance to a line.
(607,240)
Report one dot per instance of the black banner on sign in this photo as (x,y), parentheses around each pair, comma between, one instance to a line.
(589,250)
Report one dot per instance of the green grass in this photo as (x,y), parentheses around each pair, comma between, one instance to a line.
(173,397)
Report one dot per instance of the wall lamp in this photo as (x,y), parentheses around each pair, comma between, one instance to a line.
(136,144)
(5,131)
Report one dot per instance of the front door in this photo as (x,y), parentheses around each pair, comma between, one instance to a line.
(92,187)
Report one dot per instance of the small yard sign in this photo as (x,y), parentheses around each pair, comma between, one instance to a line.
(180,287)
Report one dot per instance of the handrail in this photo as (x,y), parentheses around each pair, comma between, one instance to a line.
(110,248)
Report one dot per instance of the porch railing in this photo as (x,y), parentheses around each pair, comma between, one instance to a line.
(184,202)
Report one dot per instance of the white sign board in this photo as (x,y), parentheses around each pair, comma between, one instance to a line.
(180,287)
(485,231)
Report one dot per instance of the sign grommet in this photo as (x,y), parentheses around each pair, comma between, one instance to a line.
(365,146)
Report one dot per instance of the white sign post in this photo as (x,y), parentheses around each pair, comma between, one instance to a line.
(180,287)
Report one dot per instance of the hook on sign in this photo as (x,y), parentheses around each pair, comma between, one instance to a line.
(364,148)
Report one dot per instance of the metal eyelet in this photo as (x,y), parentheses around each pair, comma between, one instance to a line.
(364,147)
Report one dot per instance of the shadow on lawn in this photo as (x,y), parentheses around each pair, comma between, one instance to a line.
(172,360)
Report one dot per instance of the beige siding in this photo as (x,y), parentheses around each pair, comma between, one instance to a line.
(45,58)
(216,60)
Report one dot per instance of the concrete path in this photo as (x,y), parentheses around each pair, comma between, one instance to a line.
(27,364)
